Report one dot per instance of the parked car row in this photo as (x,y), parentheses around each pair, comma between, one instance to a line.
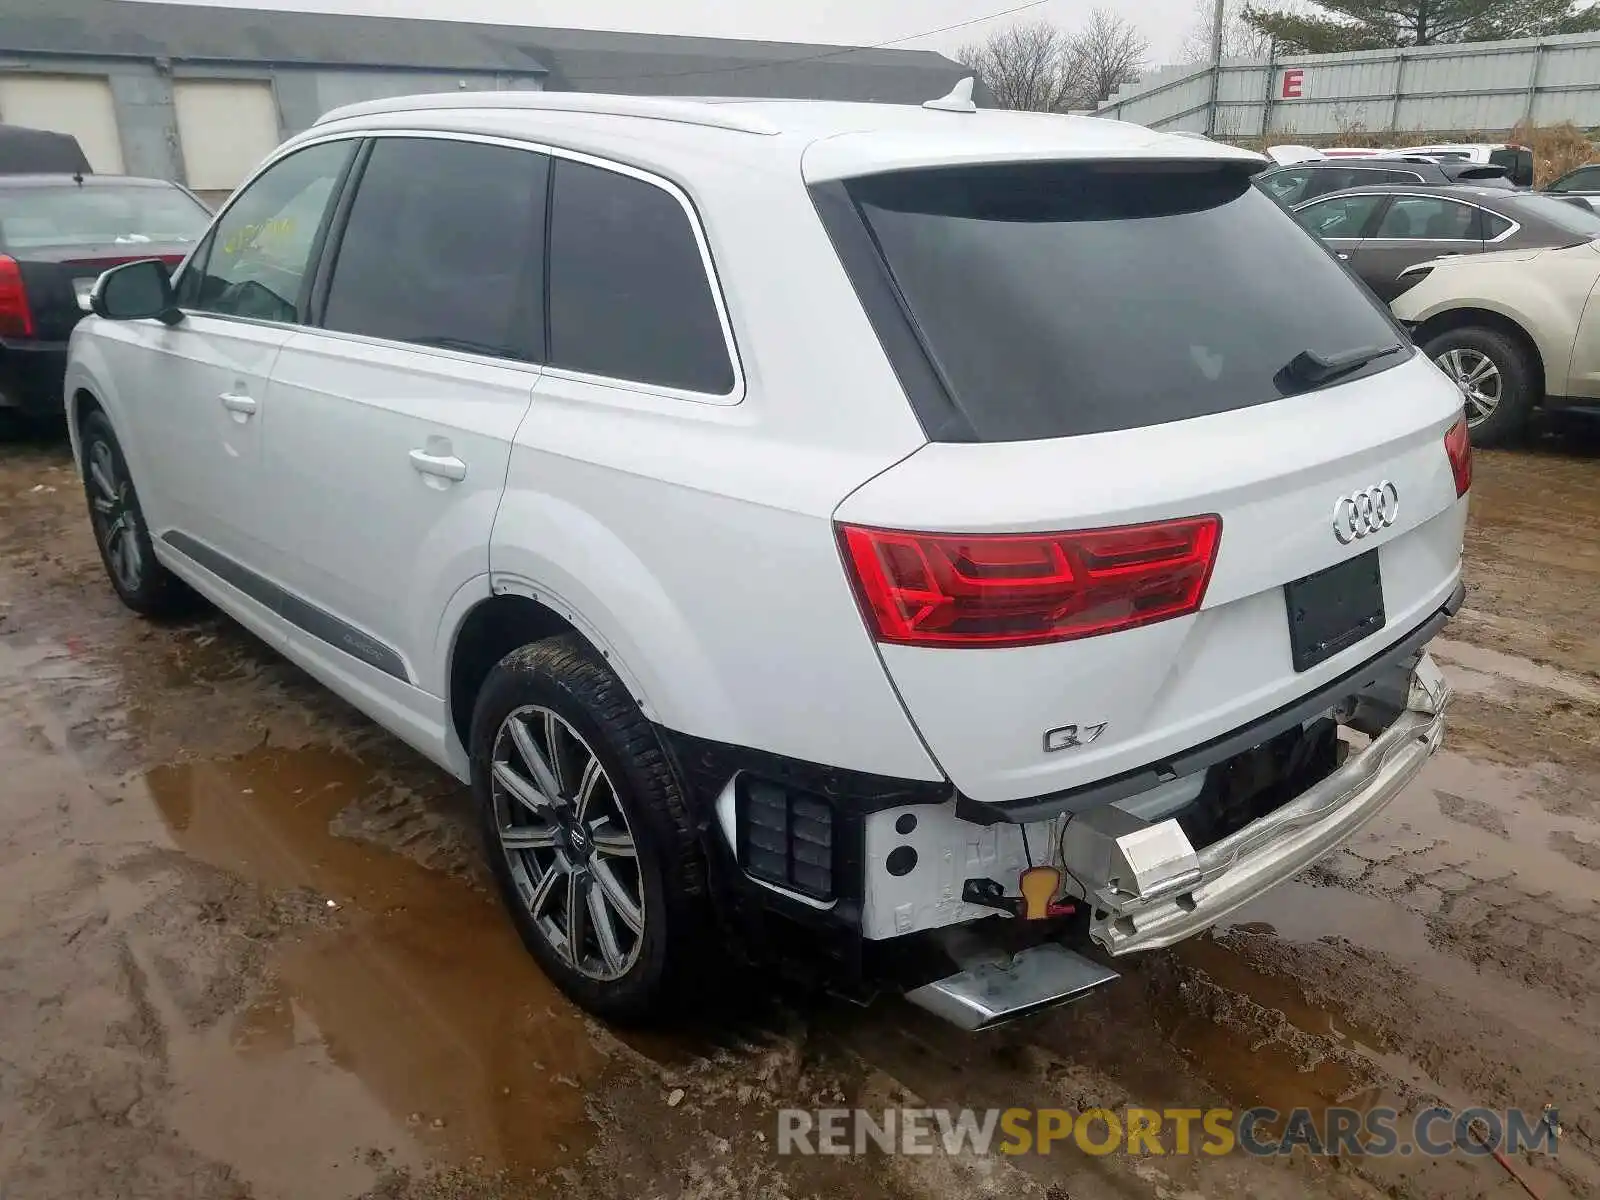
(1493,284)
(1515,161)
(1305,181)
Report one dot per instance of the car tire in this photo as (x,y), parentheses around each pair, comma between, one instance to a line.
(559,689)
(1490,367)
(120,531)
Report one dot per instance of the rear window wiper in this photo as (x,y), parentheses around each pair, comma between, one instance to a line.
(1312,369)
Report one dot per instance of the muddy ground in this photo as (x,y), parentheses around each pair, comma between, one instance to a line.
(246,947)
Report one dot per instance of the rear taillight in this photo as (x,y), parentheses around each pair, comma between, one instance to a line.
(1458,445)
(943,589)
(16,318)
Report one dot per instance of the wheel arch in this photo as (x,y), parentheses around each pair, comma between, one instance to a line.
(1471,317)
(505,621)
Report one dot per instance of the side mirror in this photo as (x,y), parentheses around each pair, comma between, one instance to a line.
(135,291)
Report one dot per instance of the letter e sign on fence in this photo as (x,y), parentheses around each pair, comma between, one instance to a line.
(1294,84)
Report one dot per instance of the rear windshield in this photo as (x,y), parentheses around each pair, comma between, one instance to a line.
(1569,216)
(1518,163)
(1061,299)
(98,214)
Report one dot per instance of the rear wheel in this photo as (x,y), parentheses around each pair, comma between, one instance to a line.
(1496,376)
(120,532)
(586,831)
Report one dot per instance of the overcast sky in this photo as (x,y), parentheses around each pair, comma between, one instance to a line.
(1164,23)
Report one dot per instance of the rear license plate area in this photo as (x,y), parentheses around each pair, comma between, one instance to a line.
(1334,609)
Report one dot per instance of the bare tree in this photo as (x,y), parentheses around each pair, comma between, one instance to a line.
(1039,66)
(1105,54)
(1240,39)
(1025,66)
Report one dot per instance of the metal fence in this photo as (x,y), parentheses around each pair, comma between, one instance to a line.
(1488,86)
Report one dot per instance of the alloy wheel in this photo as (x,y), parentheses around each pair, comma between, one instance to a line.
(568,843)
(1478,378)
(116,516)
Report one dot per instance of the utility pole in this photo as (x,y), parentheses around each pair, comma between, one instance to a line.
(1217,18)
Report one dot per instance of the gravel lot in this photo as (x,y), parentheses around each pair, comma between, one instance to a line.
(246,948)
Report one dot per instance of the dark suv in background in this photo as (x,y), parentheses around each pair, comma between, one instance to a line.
(1300,182)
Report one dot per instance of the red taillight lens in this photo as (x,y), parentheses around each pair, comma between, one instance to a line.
(944,589)
(1458,445)
(16,318)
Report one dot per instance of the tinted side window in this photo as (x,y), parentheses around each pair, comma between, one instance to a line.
(1493,224)
(1395,177)
(1287,186)
(1429,217)
(1339,216)
(441,248)
(629,294)
(1584,179)
(260,251)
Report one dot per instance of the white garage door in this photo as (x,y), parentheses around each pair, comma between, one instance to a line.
(75,104)
(226,126)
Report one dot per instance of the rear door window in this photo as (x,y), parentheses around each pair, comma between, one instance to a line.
(1058,299)
(442,248)
(630,298)
(1431,218)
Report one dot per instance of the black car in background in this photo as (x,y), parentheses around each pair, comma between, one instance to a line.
(26,151)
(58,232)
(1300,182)
(1583,184)
(1380,231)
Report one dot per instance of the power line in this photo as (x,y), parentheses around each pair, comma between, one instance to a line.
(783,62)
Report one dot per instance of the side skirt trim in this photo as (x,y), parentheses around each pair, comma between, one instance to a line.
(320,624)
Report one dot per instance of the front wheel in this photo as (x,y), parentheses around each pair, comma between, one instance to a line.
(586,831)
(1497,380)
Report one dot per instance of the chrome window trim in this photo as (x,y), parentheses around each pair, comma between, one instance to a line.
(730,343)
(1499,237)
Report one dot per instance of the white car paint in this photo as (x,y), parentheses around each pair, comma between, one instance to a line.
(693,538)
(1548,294)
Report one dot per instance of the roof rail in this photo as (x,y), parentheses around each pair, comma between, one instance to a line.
(650,108)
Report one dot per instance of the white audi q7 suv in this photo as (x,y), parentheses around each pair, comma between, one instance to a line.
(942,549)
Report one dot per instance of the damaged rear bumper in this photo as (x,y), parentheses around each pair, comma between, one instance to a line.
(1149,888)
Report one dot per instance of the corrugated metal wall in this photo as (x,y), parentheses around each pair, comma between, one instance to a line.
(1489,86)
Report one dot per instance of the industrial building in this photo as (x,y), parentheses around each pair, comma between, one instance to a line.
(200,94)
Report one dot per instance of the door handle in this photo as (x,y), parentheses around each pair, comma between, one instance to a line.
(237,403)
(444,466)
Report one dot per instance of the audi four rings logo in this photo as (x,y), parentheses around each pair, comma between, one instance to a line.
(1364,512)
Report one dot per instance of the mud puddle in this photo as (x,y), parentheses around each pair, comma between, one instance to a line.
(356,1000)
(421,992)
